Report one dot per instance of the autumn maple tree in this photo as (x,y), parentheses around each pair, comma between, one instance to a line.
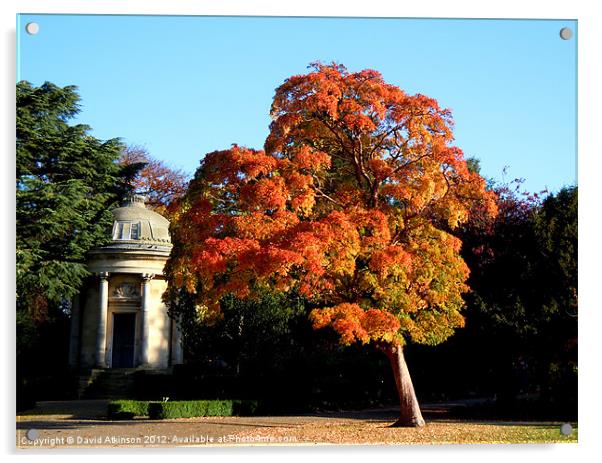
(352,203)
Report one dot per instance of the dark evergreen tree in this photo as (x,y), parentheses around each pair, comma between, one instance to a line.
(520,338)
(67,181)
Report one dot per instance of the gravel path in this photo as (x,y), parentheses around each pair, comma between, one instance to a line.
(83,424)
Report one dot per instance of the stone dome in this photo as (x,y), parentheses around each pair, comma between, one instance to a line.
(140,241)
(135,225)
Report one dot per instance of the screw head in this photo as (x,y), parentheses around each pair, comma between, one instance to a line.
(32,434)
(32,28)
(566,429)
(566,33)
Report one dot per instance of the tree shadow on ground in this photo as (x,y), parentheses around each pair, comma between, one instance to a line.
(91,413)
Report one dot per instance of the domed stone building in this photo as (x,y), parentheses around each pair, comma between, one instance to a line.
(119,319)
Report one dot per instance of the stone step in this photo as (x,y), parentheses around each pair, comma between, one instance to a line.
(106,383)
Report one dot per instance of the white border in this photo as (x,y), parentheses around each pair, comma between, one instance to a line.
(589,168)
(377,8)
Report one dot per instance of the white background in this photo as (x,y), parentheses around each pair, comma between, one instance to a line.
(589,169)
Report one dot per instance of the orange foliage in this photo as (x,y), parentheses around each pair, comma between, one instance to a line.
(352,203)
(356,324)
(162,185)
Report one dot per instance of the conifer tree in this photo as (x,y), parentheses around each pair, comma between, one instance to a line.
(67,181)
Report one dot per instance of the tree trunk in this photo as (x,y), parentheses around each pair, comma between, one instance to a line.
(409,410)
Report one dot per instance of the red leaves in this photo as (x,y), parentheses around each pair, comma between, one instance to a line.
(384,262)
(342,206)
(162,185)
(267,194)
(237,163)
(354,324)
(380,169)
(260,226)
(373,226)
(312,160)
(216,253)
(381,325)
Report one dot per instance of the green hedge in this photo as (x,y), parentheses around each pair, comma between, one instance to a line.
(127,409)
(189,409)
(193,408)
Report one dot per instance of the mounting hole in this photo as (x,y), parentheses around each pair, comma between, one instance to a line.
(566,429)
(32,28)
(566,33)
(32,434)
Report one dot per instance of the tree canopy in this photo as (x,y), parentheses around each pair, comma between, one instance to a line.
(162,185)
(66,183)
(350,203)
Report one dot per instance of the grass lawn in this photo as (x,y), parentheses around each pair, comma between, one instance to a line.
(435,432)
(68,431)
(86,422)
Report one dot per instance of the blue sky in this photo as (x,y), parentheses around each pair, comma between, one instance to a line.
(185,86)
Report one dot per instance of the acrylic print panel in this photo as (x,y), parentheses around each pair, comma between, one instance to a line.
(330,230)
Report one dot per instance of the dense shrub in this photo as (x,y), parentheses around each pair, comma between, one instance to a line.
(127,409)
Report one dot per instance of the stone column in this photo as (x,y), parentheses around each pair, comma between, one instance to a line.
(177,350)
(146,302)
(103,308)
(74,337)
